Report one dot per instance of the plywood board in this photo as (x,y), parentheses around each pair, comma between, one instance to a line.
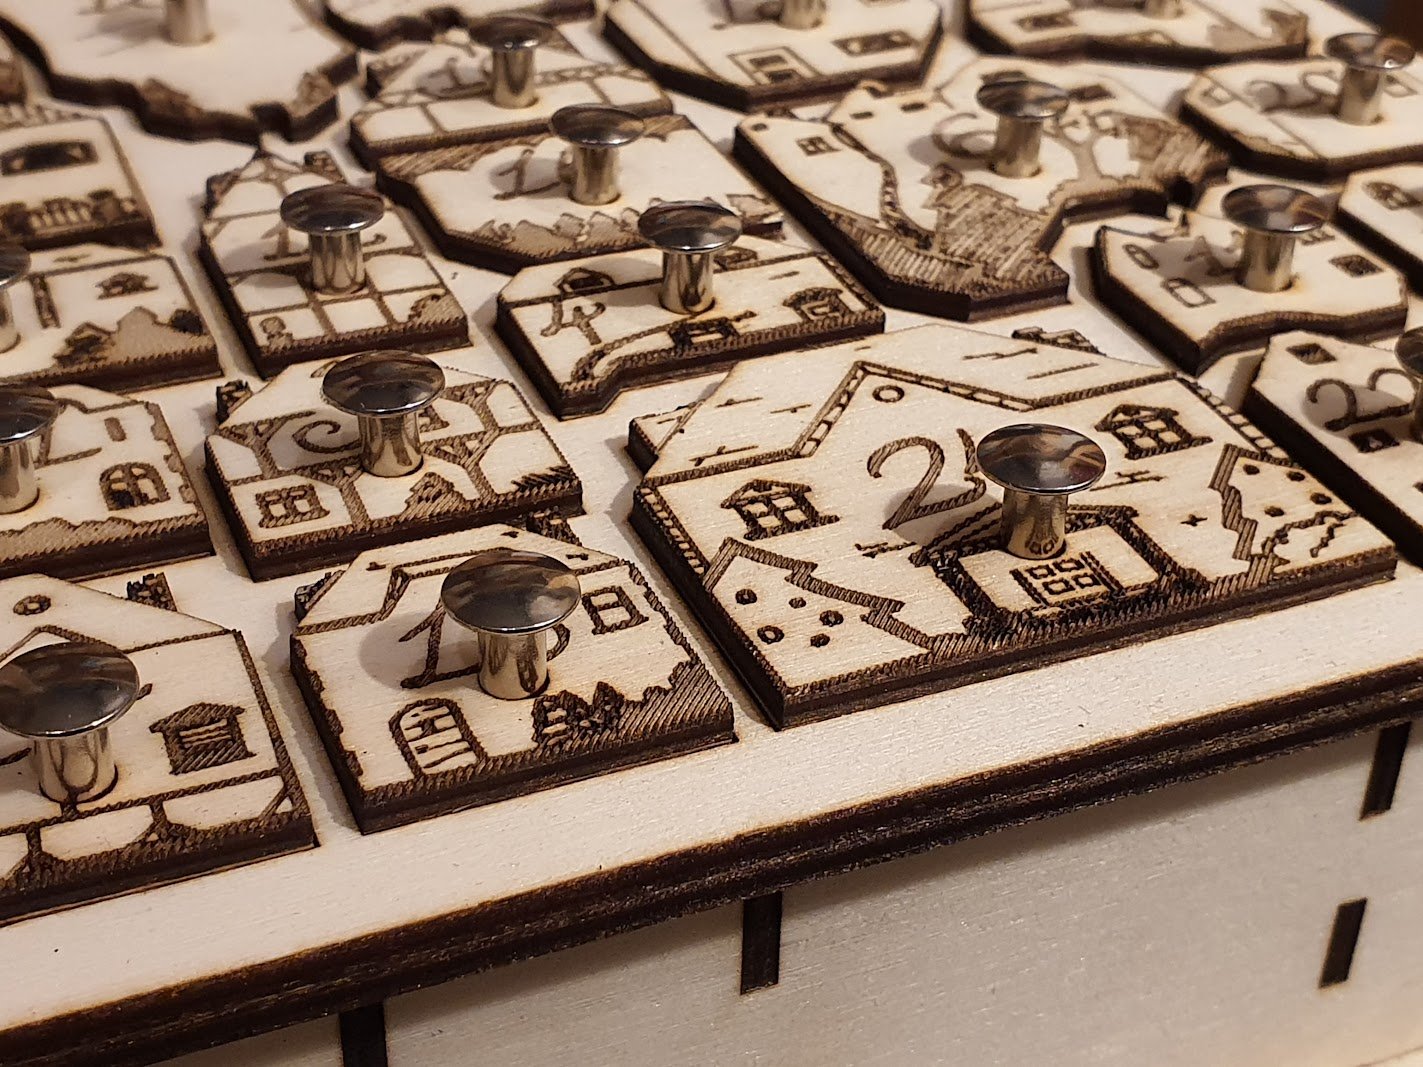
(901,188)
(380,23)
(261,267)
(504,205)
(588,329)
(824,515)
(287,470)
(1383,209)
(737,54)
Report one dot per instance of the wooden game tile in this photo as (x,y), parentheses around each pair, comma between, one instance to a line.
(286,468)
(260,266)
(738,55)
(114,494)
(204,783)
(1344,411)
(439,97)
(111,317)
(901,189)
(1383,209)
(1205,32)
(269,65)
(825,517)
(504,204)
(67,181)
(1177,286)
(378,24)
(587,330)
(1278,118)
(390,684)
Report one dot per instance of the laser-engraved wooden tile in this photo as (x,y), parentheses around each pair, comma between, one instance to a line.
(1205,32)
(287,471)
(589,329)
(391,684)
(505,205)
(1177,286)
(735,53)
(117,318)
(261,267)
(901,188)
(1344,411)
(824,516)
(114,494)
(439,97)
(1278,118)
(66,181)
(268,66)
(1383,209)
(204,783)
(379,23)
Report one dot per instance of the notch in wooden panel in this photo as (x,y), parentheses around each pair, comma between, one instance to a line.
(760,942)
(1343,940)
(1383,774)
(363,1037)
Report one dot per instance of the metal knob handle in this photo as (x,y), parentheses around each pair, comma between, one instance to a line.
(187,21)
(26,414)
(689,233)
(1163,9)
(1023,106)
(511,599)
(513,41)
(1368,58)
(802,14)
(596,133)
(386,391)
(62,699)
(1410,358)
(14,267)
(1038,466)
(332,217)
(1274,217)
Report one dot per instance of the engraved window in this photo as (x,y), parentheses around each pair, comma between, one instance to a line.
(1066,580)
(1148,431)
(611,609)
(132,485)
(433,736)
(47,155)
(868,44)
(1311,353)
(1187,292)
(770,509)
(815,146)
(772,65)
(818,303)
(1057,20)
(1356,266)
(1391,196)
(202,736)
(289,505)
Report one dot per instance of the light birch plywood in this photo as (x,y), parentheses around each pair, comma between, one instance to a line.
(1176,284)
(113,493)
(268,66)
(1205,32)
(1278,118)
(314,1044)
(504,205)
(1344,411)
(588,329)
(825,516)
(901,187)
(390,683)
(67,181)
(380,23)
(1383,208)
(287,471)
(261,267)
(204,778)
(439,96)
(737,54)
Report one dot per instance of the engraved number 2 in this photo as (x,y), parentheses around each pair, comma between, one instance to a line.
(913,506)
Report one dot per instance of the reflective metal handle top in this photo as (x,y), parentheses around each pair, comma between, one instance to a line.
(332,217)
(1369,59)
(386,391)
(802,14)
(512,41)
(596,133)
(187,21)
(1410,358)
(1273,217)
(26,414)
(14,266)
(689,233)
(1039,466)
(1023,106)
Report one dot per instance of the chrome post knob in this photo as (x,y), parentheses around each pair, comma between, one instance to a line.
(386,391)
(187,21)
(1163,9)
(1023,106)
(1038,466)
(596,133)
(689,233)
(63,698)
(1273,218)
(513,42)
(802,14)
(1410,358)
(332,217)
(511,599)
(1369,59)
(14,267)
(26,414)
